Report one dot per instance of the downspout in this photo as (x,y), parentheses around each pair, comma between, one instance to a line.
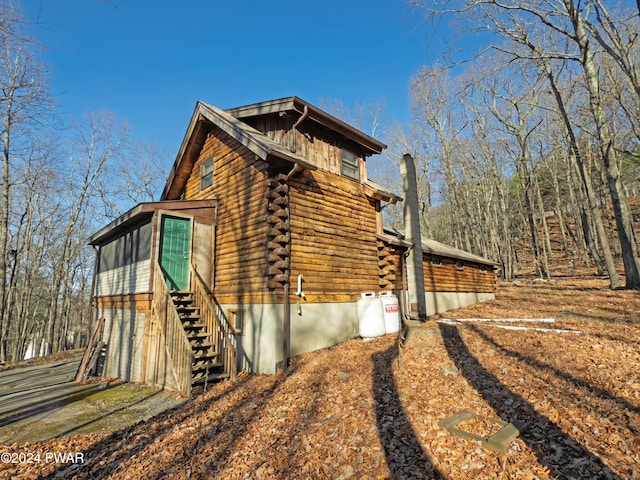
(305,114)
(413,235)
(286,322)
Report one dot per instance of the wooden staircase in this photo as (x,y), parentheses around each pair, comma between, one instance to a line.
(207,360)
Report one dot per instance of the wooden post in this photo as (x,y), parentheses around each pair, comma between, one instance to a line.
(87,353)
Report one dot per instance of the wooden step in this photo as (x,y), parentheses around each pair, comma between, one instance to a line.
(212,369)
(180,293)
(197,337)
(206,357)
(181,297)
(194,326)
(212,377)
(187,308)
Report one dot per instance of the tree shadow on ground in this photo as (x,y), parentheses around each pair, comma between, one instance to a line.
(404,455)
(199,439)
(116,448)
(554,449)
(588,387)
(46,400)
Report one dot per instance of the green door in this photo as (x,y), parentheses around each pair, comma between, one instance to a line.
(175,248)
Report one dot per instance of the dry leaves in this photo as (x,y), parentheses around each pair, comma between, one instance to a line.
(368,410)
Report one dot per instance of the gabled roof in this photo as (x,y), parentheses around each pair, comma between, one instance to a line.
(432,247)
(296,104)
(203,118)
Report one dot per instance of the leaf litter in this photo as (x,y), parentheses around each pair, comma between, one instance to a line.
(370,410)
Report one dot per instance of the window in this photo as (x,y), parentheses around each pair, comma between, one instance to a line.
(206,173)
(350,164)
(459,265)
(437,261)
(236,319)
(131,247)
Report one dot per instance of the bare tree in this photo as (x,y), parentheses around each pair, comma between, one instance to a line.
(566,29)
(23,105)
(95,143)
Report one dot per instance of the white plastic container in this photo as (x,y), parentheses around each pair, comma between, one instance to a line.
(390,311)
(370,315)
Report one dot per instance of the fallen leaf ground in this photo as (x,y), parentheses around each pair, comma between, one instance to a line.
(370,410)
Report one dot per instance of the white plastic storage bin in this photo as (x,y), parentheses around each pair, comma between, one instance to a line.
(370,315)
(391,311)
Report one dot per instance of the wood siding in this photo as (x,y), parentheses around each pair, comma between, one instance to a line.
(445,277)
(319,147)
(241,231)
(133,278)
(333,243)
(140,302)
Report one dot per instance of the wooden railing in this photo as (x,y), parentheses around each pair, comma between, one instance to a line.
(217,324)
(169,351)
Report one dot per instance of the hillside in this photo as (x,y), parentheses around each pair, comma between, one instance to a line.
(369,410)
(572,261)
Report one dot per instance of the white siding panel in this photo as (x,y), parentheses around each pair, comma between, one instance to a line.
(132,278)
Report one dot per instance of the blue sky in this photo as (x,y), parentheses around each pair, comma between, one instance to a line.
(150,62)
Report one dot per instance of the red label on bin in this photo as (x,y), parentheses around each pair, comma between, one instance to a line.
(391,308)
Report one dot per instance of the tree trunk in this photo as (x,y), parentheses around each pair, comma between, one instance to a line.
(622,213)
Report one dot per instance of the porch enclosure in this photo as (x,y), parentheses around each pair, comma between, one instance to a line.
(143,258)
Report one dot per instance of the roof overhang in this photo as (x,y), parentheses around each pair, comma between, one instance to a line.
(296,104)
(378,192)
(204,119)
(140,213)
(432,247)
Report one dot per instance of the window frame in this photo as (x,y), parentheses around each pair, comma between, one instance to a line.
(351,163)
(207,168)
(235,313)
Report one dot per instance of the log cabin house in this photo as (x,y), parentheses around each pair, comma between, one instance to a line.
(266,234)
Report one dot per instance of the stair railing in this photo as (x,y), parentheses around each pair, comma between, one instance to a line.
(170,354)
(217,324)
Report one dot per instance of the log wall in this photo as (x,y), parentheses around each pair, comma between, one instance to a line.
(333,243)
(443,277)
(241,231)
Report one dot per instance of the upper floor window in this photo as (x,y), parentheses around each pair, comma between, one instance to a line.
(350,164)
(206,173)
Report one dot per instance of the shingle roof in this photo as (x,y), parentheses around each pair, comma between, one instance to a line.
(433,247)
